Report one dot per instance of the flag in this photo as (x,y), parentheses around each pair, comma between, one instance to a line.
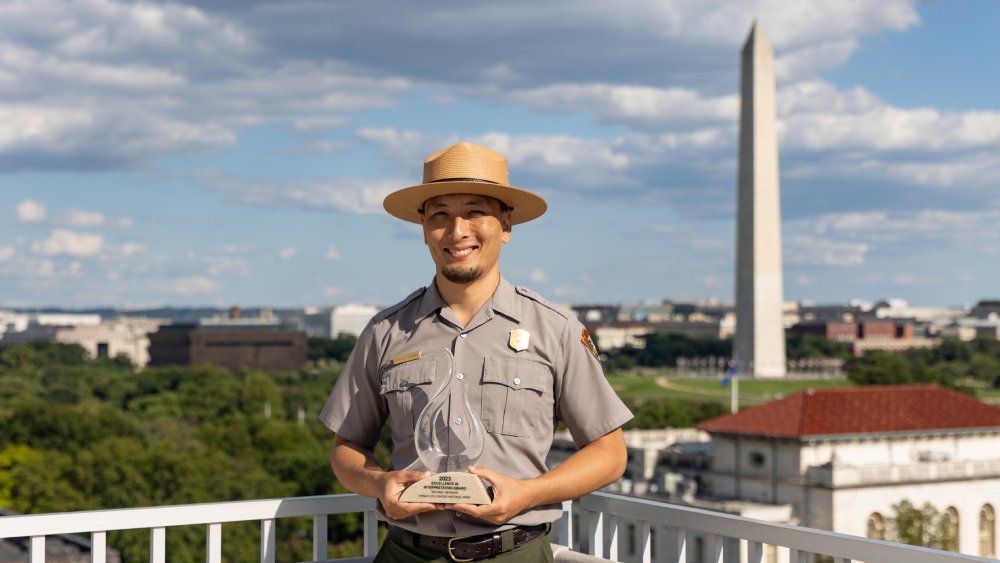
(729,374)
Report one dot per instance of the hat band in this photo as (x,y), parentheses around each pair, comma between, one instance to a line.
(465,180)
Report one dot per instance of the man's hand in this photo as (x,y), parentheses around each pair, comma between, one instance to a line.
(392,484)
(510,497)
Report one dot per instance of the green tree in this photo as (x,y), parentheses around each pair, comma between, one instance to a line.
(923,526)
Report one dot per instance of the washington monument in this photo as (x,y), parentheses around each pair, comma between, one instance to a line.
(759,347)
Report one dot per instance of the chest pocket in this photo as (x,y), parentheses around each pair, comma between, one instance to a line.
(406,388)
(517,397)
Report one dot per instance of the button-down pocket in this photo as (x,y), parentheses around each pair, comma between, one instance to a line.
(407,388)
(517,397)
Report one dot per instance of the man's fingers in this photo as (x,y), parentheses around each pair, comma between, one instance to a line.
(410,476)
(486,473)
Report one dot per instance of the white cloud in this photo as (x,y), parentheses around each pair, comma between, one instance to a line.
(7,252)
(125,223)
(287,253)
(332,291)
(538,276)
(69,243)
(636,104)
(133,249)
(192,285)
(83,218)
(30,211)
(332,253)
(349,196)
(804,249)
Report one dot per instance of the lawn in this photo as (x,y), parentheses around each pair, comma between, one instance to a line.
(752,391)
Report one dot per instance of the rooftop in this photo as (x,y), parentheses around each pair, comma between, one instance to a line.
(860,410)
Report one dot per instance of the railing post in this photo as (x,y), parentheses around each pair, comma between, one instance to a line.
(371,534)
(592,541)
(267,541)
(213,544)
(797,556)
(319,537)
(37,549)
(714,554)
(611,535)
(675,545)
(564,526)
(158,545)
(643,543)
(98,547)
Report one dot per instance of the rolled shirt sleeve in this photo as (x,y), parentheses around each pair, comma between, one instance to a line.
(355,410)
(586,403)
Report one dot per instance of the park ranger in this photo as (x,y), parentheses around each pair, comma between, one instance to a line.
(529,366)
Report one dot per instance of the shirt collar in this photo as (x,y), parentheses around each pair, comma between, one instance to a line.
(504,301)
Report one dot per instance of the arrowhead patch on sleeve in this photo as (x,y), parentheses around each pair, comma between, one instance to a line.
(589,344)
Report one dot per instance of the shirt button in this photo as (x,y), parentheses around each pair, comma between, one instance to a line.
(458,514)
(460,376)
(464,334)
(404,384)
(517,381)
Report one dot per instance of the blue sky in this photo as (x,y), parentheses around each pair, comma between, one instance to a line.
(215,153)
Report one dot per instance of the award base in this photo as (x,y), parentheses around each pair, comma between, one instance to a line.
(447,488)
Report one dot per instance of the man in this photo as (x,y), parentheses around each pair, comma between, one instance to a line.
(530,365)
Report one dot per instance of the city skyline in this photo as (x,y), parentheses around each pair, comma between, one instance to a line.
(219,153)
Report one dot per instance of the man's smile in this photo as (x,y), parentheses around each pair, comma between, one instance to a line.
(461,252)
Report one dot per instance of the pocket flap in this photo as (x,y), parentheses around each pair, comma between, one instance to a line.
(517,374)
(405,376)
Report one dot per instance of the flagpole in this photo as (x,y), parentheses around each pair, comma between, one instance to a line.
(734,402)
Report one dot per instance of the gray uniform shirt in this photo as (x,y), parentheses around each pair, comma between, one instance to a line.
(519,395)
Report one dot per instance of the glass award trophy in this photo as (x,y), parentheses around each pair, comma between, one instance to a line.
(448,438)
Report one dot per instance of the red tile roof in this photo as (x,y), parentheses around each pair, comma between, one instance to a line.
(860,410)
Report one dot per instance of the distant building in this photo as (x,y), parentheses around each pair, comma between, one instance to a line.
(351,319)
(839,459)
(234,343)
(866,334)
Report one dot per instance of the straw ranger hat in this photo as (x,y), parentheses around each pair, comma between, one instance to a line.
(465,168)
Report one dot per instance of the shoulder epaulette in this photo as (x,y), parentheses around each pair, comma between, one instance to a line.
(542,301)
(387,312)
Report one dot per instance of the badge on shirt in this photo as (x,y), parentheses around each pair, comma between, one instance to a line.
(407,357)
(519,339)
(589,344)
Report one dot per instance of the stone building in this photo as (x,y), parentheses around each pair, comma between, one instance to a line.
(839,459)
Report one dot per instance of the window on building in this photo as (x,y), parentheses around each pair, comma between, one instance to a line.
(756,459)
(987,531)
(102,349)
(950,525)
(876,526)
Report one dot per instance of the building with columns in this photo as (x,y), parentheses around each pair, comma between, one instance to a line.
(839,459)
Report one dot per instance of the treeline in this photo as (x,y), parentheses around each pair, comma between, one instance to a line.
(663,350)
(84,434)
(953,363)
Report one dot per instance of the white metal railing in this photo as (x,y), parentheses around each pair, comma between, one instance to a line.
(157,519)
(602,518)
(727,537)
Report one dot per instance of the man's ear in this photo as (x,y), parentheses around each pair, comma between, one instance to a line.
(505,222)
(420,214)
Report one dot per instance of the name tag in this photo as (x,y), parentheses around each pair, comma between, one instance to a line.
(407,357)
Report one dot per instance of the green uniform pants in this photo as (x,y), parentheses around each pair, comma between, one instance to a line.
(393,551)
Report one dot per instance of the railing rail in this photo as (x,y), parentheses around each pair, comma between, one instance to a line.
(602,517)
(601,514)
(213,515)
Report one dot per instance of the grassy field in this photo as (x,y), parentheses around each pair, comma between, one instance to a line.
(662,386)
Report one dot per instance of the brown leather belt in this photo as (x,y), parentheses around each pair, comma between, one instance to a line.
(473,547)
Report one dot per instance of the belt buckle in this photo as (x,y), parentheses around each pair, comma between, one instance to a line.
(452,555)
